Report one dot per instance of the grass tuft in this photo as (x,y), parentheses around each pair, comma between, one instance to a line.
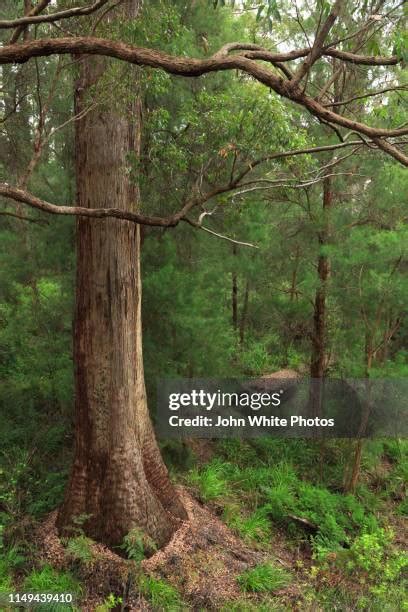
(264,578)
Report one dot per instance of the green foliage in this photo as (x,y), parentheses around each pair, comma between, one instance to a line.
(343,598)
(264,578)
(177,454)
(137,545)
(210,480)
(254,528)
(161,594)
(275,494)
(268,604)
(195,134)
(11,560)
(48,580)
(110,602)
(373,554)
(79,548)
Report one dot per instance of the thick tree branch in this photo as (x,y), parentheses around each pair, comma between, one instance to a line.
(195,67)
(101,46)
(20,195)
(391,150)
(318,45)
(34,18)
(38,8)
(253,51)
(24,197)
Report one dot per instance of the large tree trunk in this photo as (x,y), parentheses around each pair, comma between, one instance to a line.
(118,478)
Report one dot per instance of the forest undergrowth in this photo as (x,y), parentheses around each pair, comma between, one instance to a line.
(314,547)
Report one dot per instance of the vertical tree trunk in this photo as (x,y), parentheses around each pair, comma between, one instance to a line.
(244,315)
(318,356)
(234,291)
(118,479)
(293,292)
(317,365)
(351,484)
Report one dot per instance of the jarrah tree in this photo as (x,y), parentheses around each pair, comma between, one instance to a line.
(118,478)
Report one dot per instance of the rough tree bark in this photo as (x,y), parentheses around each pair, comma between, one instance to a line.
(118,479)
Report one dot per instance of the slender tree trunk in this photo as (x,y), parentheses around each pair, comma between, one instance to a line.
(118,479)
(244,315)
(234,291)
(293,292)
(370,355)
(318,356)
(358,448)
(27,8)
(318,359)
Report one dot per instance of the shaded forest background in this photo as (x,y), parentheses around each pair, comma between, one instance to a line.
(213,307)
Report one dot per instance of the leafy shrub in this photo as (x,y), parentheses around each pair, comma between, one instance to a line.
(373,554)
(336,516)
(263,578)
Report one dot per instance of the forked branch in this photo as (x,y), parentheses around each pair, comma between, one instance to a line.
(191,67)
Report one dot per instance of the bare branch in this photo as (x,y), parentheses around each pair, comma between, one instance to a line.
(369,95)
(222,236)
(7,213)
(285,184)
(311,150)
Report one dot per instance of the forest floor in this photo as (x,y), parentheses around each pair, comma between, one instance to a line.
(257,537)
